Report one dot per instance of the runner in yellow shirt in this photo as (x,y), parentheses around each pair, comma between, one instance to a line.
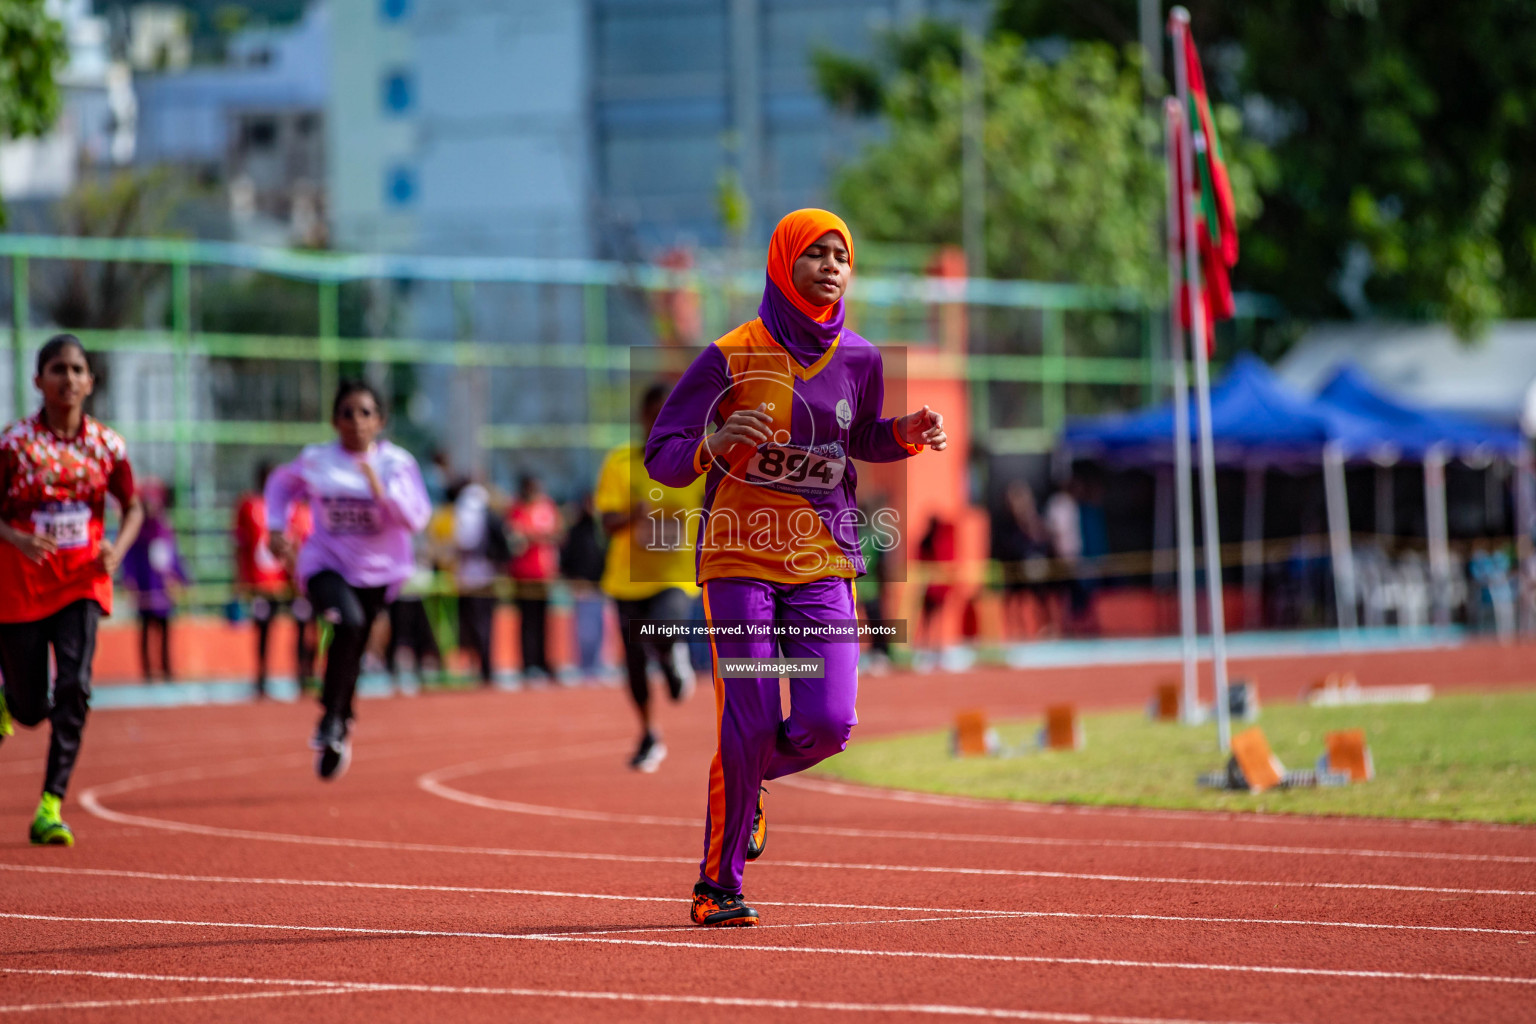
(649,570)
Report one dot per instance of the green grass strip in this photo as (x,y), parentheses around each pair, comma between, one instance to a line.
(1463,757)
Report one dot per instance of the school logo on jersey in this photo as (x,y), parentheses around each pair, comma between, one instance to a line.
(844,413)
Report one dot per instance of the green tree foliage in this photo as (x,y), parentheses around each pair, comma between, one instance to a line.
(1073,185)
(32,52)
(1404,139)
(1413,139)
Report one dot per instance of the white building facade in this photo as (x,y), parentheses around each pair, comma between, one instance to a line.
(599,128)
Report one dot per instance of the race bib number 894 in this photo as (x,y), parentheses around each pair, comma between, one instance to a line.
(818,469)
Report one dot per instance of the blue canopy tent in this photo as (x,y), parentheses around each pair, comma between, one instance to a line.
(1257,421)
(1427,436)
(1412,430)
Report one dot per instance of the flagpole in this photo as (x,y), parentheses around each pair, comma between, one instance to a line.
(1178,27)
(1178,354)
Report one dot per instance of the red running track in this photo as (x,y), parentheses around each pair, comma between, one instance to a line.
(490,858)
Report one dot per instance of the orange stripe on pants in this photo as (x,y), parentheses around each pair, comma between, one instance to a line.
(716,835)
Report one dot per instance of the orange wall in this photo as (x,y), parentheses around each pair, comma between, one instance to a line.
(210,648)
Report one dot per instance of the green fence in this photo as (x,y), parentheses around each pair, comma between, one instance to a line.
(214,356)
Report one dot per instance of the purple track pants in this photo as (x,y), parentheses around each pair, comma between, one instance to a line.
(756,741)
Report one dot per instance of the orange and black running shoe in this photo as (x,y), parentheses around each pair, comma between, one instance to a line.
(757,842)
(716,908)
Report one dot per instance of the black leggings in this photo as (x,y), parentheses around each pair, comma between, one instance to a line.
(263,610)
(71,631)
(671,603)
(532,628)
(150,622)
(350,611)
(874,611)
(411,630)
(477,613)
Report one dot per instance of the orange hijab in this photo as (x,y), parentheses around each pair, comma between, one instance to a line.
(792,237)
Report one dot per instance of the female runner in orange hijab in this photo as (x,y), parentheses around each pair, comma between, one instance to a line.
(774,412)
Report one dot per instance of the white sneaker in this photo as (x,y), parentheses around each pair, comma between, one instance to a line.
(682,664)
(650,755)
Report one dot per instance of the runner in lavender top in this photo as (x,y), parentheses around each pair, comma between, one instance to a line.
(368,498)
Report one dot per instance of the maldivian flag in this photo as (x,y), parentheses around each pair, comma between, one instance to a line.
(1216,216)
(1179,173)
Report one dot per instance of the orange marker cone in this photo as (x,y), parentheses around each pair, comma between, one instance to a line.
(972,737)
(1063,729)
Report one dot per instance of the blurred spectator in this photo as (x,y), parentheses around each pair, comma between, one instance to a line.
(1064,524)
(480,546)
(266,583)
(1494,586)
(437,475)
(535,525)
(1021,545)
(581,563)
(649,571)
(937,549)
(870,586)
(410,628)
(441,601)
(153,570)
(1095,533)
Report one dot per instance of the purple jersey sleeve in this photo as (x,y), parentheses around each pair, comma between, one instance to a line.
(673,453)
(872,438)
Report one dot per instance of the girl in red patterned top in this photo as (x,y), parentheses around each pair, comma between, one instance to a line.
(56,470)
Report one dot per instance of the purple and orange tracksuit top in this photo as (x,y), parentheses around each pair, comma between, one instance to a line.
(784,511)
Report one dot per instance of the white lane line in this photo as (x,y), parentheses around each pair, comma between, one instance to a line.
(91,801)
(932,1009)
(488,890)
(693,929)
(105,1004)
(962,913)
(749,947)
(908,796)
(199,773)
(121,754)
(1136,879)
(434,782)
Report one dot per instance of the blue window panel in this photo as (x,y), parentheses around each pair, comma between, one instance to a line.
(665,165)
(670,40)
(394,10)
(398,92)
(665,115)
(795,109)
(400,186)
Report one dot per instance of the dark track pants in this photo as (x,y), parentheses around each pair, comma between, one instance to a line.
(533,628)
(151,622)
(410,630)
(264,609)
(671,603)
(477,613)
(71,631)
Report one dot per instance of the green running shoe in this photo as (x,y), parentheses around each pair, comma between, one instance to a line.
(48,829)
(7,725)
